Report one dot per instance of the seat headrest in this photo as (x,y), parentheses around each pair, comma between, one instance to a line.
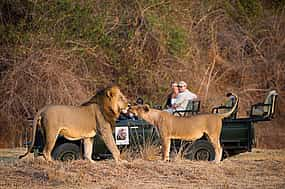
(269,97)
(273,92)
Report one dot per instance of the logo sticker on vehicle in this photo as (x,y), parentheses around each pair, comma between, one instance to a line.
(122,135)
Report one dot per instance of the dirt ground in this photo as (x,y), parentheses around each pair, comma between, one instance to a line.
(257,169)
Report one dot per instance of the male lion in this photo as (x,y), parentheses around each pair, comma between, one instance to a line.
(186,128)
(81,122)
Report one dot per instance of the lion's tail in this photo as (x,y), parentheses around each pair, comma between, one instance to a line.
(227,114)
(36,122)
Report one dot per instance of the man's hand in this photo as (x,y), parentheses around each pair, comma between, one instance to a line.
(174,106)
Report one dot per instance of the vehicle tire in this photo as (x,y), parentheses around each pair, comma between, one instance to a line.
(66,152)
(201,150)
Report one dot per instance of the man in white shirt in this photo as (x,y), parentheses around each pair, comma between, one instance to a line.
(182,98)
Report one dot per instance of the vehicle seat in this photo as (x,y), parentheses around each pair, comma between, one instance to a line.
(265,110)
(228,105)
(193,107)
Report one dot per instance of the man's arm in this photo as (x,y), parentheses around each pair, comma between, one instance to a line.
(191,95)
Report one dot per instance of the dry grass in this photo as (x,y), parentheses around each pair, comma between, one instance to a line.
(257,169)
(146,151)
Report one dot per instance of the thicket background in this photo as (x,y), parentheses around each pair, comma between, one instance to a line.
(62,51)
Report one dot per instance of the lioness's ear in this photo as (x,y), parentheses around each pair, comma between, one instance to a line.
(146,108)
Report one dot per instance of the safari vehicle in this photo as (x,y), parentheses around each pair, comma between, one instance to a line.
(237,135)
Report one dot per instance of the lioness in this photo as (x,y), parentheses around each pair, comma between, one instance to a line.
(81,122)
(186,128)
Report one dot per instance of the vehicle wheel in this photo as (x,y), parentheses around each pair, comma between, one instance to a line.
(201,150)
(226,154)
(66,152)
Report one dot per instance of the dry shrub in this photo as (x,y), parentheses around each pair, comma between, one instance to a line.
(150,151)
(44,77)
(146,151)
(247,61)
(6,131)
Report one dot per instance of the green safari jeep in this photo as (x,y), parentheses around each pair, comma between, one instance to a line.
(237,136)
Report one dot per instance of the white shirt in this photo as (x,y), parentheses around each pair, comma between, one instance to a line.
(173,101)
(183,98)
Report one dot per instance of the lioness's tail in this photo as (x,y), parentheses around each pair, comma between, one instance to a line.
(227,114)
(36,122)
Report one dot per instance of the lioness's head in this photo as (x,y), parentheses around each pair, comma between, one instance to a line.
(139,110)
